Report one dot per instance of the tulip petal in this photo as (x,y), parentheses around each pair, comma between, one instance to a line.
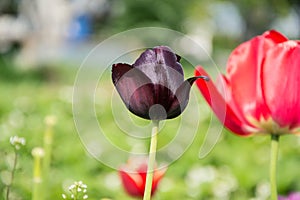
(159,55)
(153,102)
(139,94)
(225,90)
(282,198)
(294,196)
(157,176)
(243,69)
(162,66)
(281,83)
(182,96)
(133,183)
(222,110)
(134,87)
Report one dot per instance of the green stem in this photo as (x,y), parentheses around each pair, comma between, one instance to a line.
(48,139)
(38,154)
(75,193)
(12,175)
(273,165)
(151,161)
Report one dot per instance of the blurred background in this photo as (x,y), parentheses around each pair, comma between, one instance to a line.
(38,32)
(42,44)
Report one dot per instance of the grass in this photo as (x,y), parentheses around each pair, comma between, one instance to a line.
(237,168)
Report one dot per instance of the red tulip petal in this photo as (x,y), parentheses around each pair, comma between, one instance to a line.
(133,183)
(281,83)
(243,69)
(218,104)
(157,176)
(226,91)
(142,170)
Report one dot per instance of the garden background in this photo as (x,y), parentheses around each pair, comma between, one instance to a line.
(42,45)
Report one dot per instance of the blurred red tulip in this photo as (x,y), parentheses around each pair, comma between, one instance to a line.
(260,92)
(133,176)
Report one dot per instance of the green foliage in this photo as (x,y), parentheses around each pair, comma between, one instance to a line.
(132,14)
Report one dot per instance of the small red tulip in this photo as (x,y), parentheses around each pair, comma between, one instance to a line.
(261,88)
(133,176)
(154,86)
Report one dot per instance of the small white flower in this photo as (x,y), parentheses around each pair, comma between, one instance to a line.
(17,142)
(50,120)
(72,187)
(38,152)
(64,196)
(76,190)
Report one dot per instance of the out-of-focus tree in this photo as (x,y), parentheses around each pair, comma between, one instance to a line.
(296,5)
(259,15)
(131,14)
(9,7)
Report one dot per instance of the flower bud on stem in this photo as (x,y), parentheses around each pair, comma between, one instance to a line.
(38,154)
(17,143)
(50,121)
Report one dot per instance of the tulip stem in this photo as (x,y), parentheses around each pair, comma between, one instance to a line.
(273,165)
(151,161)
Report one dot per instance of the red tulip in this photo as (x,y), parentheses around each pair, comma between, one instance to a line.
(154,86)
(261,88)
(133,176)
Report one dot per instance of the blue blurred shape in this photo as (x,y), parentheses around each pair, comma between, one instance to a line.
(80,28)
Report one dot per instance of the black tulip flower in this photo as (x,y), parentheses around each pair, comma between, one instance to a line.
(154,86)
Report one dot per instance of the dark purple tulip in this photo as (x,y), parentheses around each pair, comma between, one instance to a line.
(153,87)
